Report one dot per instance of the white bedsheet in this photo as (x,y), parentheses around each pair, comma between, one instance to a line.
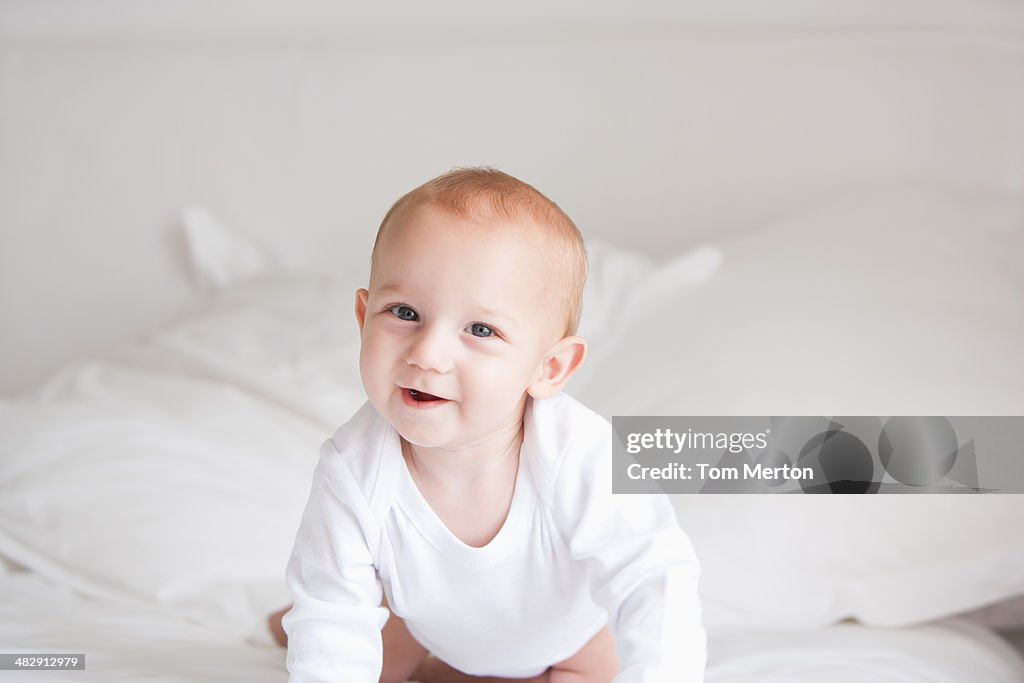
(135,643)
(945,651)
(124,642)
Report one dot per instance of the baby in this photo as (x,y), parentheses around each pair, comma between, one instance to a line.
(461,526)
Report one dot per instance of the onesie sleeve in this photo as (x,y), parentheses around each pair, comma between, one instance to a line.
(334,625)
(641,565)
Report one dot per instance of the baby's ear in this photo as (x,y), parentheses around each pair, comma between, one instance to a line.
(361,297)
(560,364)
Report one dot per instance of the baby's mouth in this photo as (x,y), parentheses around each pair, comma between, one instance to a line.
(423,396)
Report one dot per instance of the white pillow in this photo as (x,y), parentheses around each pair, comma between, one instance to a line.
(219,257)
(140,486)
(897,302)
(291,340)
(621,280)
(891,302)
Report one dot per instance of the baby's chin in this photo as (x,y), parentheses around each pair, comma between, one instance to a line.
(432,437)
(428,442)
(423,431)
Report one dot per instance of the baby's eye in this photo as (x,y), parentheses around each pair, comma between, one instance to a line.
(480,330)
(404,312)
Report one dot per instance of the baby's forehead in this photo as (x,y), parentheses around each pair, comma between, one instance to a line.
(477,218)
(489,234)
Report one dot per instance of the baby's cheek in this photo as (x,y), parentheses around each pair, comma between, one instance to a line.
(506,383)
(369,364)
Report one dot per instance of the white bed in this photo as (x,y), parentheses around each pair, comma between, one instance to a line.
(814,212)
(134,643)
(154,492)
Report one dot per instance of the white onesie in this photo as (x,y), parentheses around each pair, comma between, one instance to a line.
(569,558)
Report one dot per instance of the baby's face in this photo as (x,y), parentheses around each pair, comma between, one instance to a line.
(455,327)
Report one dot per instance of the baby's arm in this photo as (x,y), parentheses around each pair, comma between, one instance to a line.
(334,625)
(642,567)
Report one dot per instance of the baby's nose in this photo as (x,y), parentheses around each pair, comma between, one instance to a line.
(431,350)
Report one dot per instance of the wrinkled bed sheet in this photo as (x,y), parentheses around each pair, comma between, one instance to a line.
(149,643)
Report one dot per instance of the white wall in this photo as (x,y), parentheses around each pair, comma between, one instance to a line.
(657,129)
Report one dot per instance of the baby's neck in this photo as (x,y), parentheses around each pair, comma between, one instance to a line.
(467,468)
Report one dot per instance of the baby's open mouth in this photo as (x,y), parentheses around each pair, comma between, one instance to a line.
(423,396)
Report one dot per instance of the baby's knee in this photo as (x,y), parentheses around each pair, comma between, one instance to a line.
(596,662)
(392,676)
(596,672)
(276,628)
(600,671)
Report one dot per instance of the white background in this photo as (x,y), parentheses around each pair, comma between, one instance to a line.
(654,124)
